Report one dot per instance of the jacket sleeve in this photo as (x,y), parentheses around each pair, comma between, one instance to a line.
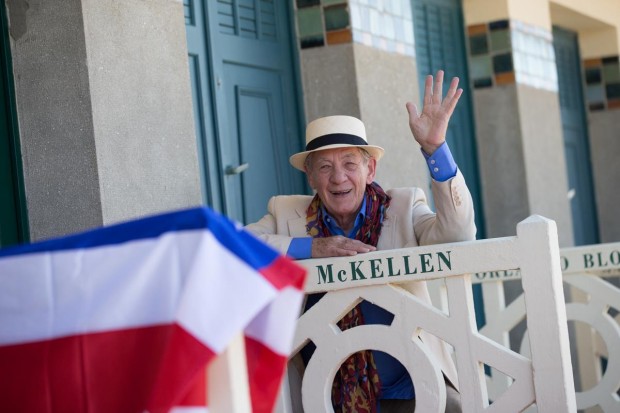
(267,229)
(454,219)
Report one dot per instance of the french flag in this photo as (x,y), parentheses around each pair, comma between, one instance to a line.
(126,318)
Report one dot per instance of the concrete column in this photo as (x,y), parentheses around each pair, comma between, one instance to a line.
(371,76)
(141,106)
(104,111)
(345,79)
(55,117)
(519,128)
(604,150)
(383,91)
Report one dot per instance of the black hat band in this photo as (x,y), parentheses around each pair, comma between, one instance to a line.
(335,139)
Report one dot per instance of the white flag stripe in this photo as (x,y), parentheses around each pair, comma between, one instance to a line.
(229,280)
(94,289)
(26,283)
(278,335)
(189,409)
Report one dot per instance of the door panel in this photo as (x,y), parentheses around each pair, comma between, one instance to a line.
(253,104)
(576,147)
(440,44)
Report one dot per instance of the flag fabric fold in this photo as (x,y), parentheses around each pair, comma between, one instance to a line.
(126,318)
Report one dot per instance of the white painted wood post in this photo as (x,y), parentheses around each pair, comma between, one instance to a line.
(227,380)
(474,397)
(546,315)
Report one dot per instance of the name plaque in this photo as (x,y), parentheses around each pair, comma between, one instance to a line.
(486,260)
(404,265)
(600,259)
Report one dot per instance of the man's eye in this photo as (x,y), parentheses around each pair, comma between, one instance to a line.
(351,165)
(324,167)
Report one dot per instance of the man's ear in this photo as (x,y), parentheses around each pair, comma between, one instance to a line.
(372,170)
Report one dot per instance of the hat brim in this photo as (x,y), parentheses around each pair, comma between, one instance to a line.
(299,159)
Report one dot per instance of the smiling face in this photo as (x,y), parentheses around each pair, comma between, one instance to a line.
(339,176)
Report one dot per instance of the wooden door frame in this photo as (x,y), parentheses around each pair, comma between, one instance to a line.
(16,203)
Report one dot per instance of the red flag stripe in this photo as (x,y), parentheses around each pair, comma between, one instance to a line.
(284,273)
(117,371)
(265,373)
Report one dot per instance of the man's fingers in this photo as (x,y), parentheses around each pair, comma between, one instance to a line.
(452,90)
(338,246)
(428,90)
(438,87)
(454,101)
(358,246)
(413,111)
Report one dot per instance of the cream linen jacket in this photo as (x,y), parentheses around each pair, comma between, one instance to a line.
(409,222)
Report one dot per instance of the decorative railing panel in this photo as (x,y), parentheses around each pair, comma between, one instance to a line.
(386,278)
(590,275)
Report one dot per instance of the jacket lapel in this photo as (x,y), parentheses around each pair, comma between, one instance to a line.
(297,226)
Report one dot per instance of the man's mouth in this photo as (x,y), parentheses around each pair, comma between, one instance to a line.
(341,193)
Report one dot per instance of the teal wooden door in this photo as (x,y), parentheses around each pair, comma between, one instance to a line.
(440,44)
(252,103)
(574,127)
(13,222)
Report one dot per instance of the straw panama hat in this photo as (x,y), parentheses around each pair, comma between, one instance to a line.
(333,132)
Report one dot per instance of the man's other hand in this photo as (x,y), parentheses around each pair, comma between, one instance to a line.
(338,246)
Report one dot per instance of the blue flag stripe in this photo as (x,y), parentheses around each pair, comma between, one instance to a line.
(244,245)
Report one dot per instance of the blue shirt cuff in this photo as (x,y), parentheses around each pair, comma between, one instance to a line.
(441,163)
(300,248)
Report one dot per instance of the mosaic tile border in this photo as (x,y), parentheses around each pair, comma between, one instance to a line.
(383,24)
(322,22)
(505,52)
(601,78)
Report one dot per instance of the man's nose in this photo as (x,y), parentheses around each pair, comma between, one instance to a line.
(338,174)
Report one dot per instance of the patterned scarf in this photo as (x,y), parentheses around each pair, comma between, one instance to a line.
(356,386)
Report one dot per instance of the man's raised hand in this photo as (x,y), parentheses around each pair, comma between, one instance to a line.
(429,128)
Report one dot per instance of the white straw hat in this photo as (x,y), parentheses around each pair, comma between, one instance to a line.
(333,132)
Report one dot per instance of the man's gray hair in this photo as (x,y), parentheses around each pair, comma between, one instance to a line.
(365,155)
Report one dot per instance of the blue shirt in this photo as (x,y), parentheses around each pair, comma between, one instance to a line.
(395,380)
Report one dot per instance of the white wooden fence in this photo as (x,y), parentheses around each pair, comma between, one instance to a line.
(544,377)
(593,302)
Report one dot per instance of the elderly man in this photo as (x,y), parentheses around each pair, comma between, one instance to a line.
(352,214)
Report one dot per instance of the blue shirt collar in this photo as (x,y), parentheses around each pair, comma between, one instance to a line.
(330,222)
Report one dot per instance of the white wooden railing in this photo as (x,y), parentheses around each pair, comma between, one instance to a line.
(544,377)
(593,301)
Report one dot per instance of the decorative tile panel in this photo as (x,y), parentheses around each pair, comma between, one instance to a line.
(382,24)
(336,17)
(508,51)
(534,57)
(602,83)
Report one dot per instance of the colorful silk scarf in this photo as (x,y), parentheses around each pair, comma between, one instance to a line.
(356,387)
